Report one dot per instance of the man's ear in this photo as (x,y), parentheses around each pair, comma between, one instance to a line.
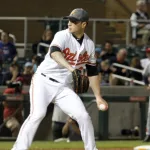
(84,24)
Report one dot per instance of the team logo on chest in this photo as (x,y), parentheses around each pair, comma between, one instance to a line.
(72,57)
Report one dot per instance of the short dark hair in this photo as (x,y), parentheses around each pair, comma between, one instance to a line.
(108,41)
(14,65)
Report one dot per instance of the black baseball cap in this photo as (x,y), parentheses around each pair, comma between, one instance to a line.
(78,14)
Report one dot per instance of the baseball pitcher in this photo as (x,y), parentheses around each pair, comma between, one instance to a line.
(58,79)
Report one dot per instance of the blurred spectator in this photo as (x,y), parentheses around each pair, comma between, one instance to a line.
(146,61)
(71,130)
(11,76)
(1,78)
(135,63)
(97,53)
(108,52)
(12,114)
(120,59)
(59,119)
(105,73)
(27,73)
(36,60)
(98,59)
(8,51)
(47,39)
(140,28)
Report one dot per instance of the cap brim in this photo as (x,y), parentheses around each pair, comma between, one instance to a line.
(66,17)
(71,18)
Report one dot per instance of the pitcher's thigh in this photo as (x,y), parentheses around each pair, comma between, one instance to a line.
(38,97)
(71,103)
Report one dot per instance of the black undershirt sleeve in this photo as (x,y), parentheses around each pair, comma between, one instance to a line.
(54,49)
(91,70)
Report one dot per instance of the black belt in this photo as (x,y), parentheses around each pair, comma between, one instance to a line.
(50,78)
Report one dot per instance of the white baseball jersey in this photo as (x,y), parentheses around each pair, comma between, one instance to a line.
(77,55)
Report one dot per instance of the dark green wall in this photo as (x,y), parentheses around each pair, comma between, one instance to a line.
(42,8)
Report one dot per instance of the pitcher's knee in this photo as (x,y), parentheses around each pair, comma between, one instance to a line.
(84,116)
(38,116)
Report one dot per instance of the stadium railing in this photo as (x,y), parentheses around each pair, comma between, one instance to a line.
(126,78)
(26,21)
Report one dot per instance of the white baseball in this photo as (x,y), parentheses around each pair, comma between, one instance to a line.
(102,107)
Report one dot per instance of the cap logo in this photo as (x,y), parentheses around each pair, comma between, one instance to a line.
(73,12)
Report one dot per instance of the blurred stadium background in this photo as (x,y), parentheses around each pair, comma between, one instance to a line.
(26,22)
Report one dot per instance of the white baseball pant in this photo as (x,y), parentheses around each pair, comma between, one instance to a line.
(148,120)
(44,91)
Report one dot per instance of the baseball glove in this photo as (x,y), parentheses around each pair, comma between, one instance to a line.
(80,82)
